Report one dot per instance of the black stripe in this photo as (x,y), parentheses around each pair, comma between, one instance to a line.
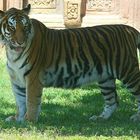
(23,64)
(68,55)
(23,95)
(57,51)
(108,79)
(21,89)
(113,90)
(59,80)
(106,88)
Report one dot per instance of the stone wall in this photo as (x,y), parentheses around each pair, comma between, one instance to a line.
(75,13)
(137,14)
(130,11)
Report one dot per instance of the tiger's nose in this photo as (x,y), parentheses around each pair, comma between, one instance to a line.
(20,42)
(20,37)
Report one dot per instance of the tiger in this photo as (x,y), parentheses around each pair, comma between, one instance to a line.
(39,57)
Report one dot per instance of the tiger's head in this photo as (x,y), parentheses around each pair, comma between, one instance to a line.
(15,27)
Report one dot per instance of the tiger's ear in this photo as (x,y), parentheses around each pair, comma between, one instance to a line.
(1,14)
(27,9)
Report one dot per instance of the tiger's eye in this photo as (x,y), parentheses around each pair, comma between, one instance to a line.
(12,28)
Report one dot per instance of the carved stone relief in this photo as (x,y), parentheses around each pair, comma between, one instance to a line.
(1,5)
(72,13)
(101,5)
(47,4)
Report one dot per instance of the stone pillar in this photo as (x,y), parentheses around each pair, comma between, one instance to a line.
(137,14)
(72,13)
(14,3)
(127,11)
(1,5)
(83,8)
(130,10)
(25,3)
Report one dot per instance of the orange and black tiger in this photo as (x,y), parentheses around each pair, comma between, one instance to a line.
(40,57)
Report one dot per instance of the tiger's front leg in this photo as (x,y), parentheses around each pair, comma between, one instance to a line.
(33,101)
(28,102)
(20,96)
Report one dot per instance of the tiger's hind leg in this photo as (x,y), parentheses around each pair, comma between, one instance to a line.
(132,82)
(136,117)
(108,89)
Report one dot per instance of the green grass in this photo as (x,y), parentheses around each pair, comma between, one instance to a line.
(65,115)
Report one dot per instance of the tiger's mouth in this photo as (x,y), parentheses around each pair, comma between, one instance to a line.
(18,49)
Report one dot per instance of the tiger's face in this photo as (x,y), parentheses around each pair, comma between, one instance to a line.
(15,27)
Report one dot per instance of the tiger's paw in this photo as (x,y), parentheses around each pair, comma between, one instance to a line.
(95,118)
(135,117)
(106,114)
(31,117)
(100,117)
(14,119)
(10,119)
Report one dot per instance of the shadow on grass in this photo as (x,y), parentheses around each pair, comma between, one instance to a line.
(73,119)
